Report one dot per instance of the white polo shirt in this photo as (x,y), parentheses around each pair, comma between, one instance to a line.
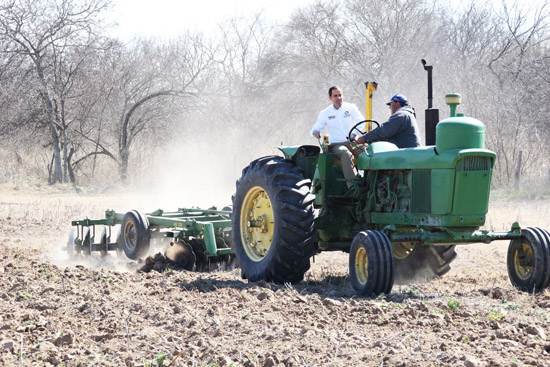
(338,121)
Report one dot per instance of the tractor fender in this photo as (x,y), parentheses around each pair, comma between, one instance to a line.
(300,151)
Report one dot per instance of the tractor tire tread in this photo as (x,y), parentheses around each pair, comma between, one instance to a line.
(539,242)
(380,263)
(287,259)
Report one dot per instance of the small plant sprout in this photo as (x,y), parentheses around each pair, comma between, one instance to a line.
(453,304)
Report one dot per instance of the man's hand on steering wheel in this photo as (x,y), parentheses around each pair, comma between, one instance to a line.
(358,138)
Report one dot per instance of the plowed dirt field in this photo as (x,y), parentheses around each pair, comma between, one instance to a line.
(102,312)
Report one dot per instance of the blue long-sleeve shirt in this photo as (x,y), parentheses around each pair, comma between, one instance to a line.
(401,129)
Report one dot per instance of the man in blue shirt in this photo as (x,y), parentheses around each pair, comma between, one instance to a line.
(401,129)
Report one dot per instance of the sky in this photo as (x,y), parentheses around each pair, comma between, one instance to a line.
(167,18)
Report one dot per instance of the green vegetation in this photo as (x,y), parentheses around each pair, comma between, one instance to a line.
(453,304)
(158,361)
(494,314)
(511,307)
(24,294)
(103,278)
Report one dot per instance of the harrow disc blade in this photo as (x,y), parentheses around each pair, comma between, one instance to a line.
(119,251)
(87,242)
(71,245)
(182,254)
(104,243)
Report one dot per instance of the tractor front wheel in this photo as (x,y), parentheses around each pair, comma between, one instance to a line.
(371,264)
(135,235)
(528,260)
(272,221)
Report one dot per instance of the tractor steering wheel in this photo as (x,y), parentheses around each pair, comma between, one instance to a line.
(356,128)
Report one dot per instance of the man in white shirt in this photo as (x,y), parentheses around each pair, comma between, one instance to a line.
(339,118)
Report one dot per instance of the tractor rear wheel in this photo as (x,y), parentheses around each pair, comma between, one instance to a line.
(528,260)
(135,235)
(272,221)
(371,263)
(422,262)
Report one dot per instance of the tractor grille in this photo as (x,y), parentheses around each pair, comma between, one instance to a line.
(421,201)
(476,164)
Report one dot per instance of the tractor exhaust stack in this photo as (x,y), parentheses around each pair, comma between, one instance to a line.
(432,114)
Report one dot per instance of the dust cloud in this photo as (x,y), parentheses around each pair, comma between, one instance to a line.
(199,173)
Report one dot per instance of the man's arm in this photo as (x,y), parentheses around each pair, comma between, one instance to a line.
(357,117)
(318,126)
(385,132)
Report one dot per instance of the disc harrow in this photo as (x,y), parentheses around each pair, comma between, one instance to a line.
(196,239)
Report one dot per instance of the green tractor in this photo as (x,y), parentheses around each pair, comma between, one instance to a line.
(403,217)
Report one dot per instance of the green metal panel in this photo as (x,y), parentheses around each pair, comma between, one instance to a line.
(307,165)
(427,220)
(304,156)
(442,187)
(328,180)
(421,191)
(472,187)
(210,240)
(289,152)
(417,158)
(336,222)
(459,133)
(336,182)
(320,183)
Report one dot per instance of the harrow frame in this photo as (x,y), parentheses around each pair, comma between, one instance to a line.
(184,224)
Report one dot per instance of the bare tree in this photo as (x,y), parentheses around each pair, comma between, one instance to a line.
(46,32)
(386,41)
(251,75)
(96,102)
(141,86)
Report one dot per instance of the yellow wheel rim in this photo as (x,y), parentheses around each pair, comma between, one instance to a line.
(257,223)
(362,265)
(402,250)
(525,265)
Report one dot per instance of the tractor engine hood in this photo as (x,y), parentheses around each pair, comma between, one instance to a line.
(456,137)
(386,156)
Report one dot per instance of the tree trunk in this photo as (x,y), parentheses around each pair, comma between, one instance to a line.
(70,168)
(123,165)
(57,174)
(65,158)
(50,167)
(518,171)
(64,144)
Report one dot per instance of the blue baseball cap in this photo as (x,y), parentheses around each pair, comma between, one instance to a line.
(398,98)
